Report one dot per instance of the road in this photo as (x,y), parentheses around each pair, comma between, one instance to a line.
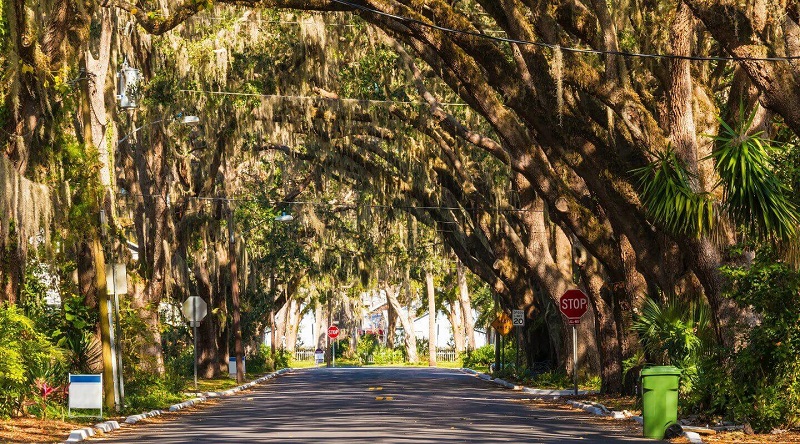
(387,405)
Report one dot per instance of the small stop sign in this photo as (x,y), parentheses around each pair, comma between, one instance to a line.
(333,331)
(573,304)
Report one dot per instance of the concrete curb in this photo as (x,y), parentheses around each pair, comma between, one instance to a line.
(109,426)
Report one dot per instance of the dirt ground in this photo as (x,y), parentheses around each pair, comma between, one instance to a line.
(30,430)
(628,403)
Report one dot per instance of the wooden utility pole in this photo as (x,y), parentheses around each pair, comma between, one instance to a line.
(237,319)
(104,303)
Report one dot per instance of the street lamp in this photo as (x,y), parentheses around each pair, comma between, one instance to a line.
(284,218)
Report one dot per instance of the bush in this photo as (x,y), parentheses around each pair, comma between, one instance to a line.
(676,333)
(259,361)
(385,355)
(182,364)
(760,383)
(480,357)
(25,355)
(147,391)
(366,347)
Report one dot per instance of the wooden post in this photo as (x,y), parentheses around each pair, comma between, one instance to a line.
(104,303)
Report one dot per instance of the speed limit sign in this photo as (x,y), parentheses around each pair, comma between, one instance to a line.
(518,318)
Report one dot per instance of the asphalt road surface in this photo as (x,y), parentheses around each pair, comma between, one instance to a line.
(377,405)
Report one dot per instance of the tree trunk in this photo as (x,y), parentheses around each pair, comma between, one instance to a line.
(391,326)
(458,328)
(292,325)
(319,325)
(406,322)
(431,318)
(466,307)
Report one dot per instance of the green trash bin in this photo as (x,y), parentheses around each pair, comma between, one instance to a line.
(659,399)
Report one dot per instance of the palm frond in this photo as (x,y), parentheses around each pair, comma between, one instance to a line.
(668,197)
(754,195)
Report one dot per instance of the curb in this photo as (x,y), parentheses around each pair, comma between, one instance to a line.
(591,408)
(109,426)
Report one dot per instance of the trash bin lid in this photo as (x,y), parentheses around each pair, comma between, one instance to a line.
(661,370)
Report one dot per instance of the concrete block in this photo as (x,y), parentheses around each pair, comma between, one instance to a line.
(545,392)
(133,419)
(499,381)
(693,437)
(638,419)
(484,376)
(80,434)
(618,415)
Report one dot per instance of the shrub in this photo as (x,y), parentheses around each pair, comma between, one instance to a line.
(366,347)
(385,355)
(146,391)
(480,357)
(760,383)
(675,333)
(259,360)
(25,355)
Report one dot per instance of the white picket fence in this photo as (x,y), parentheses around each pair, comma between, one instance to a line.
(304,354)
(446,355)
(442,355)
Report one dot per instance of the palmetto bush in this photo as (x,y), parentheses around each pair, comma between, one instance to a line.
(675,333)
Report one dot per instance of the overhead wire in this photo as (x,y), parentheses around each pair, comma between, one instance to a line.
(405,19)
(299,97)
(338,205)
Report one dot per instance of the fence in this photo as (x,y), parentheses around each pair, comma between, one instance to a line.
(442,355)
(446,355)
(304,354)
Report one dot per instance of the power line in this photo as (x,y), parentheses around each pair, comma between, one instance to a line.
(310,98)
(338,205)
(563,48)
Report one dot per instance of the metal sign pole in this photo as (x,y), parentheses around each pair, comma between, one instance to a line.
(516,330)
(333,356)
(575,357)
(195,356)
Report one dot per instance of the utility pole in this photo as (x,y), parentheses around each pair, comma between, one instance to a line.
(237,319)
(104,303)
(330,322)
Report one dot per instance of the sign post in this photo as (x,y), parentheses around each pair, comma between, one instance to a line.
(518,320)
(573,304)
(333,333)
(503,326)
(195,309)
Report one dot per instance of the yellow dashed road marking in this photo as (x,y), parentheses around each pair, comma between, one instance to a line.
(375,388)
(384,398)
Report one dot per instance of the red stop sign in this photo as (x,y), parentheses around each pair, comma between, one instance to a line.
(333,331)
(573,304)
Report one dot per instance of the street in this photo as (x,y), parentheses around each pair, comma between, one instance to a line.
(377,405)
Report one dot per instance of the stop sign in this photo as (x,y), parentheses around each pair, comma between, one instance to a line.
(573,304)
(333,331)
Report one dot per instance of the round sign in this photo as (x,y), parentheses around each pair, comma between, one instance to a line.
(333,331)
(573,304)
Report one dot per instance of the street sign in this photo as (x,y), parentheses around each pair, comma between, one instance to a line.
(518,318)
(573,304)
(502,324)
(333,332)
(195,309)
